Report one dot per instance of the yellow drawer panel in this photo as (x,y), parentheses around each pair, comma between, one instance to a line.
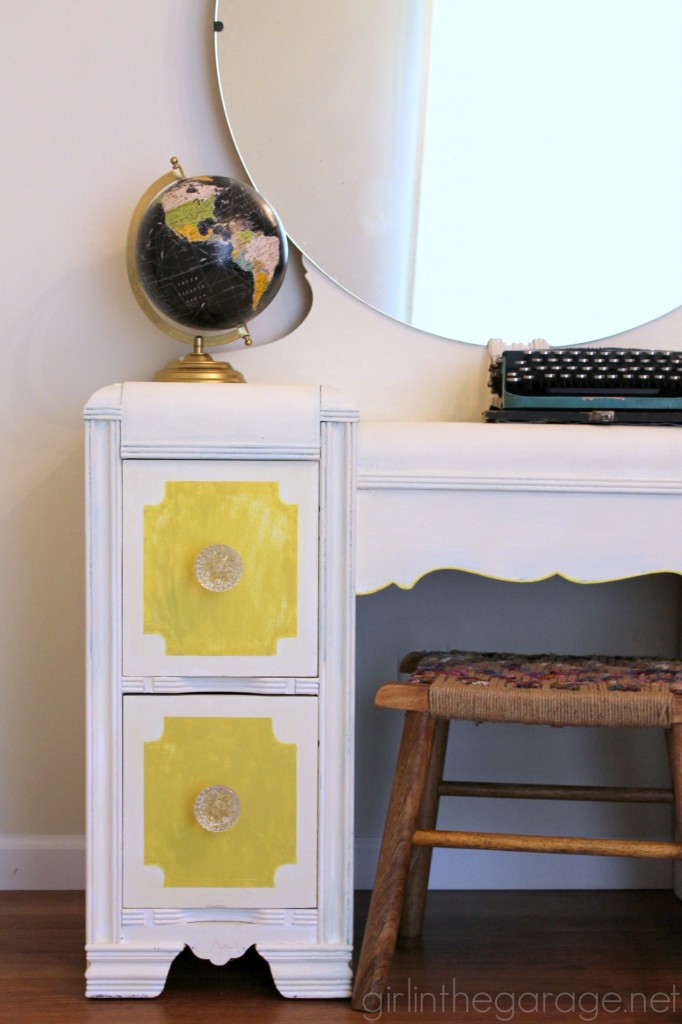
(220,803)
(254,769)
(220,568)
(257,531)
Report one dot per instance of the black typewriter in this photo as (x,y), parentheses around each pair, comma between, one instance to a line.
(587,385)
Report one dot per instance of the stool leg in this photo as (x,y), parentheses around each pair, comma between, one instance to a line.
(673,736)
(674,739)
(412,921)
(394,861)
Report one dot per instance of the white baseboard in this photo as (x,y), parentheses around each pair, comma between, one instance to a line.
(42,862)
(58,862)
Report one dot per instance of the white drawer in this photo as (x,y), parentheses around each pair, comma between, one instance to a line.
(220,801)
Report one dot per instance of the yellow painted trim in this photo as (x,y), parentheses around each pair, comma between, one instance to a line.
(251,518)
(516,579)
(243,754)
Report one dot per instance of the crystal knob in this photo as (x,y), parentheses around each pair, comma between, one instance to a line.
(218,568)
(217,808)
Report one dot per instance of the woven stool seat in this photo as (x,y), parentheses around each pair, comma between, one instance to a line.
(540,689)
(547,689)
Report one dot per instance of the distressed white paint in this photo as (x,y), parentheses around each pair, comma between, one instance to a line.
(130,948)
(517,502)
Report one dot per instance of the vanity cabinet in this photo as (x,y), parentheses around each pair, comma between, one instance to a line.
(219,683)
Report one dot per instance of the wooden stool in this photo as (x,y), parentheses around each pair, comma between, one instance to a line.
(536,690)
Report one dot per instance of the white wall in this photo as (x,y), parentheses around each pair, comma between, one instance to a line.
(95,98)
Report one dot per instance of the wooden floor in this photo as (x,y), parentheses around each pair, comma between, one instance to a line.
(523,957)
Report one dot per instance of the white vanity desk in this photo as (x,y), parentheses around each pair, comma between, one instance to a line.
(185,692)
(517,501)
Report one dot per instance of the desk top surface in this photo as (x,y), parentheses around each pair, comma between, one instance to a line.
(517,502)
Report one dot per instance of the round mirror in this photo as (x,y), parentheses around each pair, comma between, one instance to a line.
(474,168)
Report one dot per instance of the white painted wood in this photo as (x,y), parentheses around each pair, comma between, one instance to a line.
(130,971)
(337,688)
(225,418)
(308,432)
(103,669)
(219,684)
(291,970)
(294,721)
(513,501)
(517,501)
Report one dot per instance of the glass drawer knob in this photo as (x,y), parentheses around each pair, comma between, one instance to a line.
(217,808)
(218,568)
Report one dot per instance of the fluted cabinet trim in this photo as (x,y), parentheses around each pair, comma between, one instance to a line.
(299,439)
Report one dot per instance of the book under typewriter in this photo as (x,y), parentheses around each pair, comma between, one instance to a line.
(587,385)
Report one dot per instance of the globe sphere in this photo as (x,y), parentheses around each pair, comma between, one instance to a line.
(210,253)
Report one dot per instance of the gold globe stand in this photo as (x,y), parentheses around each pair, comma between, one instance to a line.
(198,366)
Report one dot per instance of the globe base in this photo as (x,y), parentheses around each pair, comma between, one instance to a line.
(198,367)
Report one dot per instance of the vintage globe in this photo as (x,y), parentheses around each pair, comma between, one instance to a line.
(210,253)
